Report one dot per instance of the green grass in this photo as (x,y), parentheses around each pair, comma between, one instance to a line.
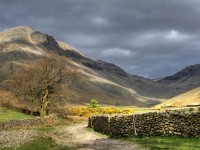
(12,115)
(167,143)
(39,144)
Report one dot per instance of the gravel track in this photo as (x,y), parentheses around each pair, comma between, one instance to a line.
(76,136)
(15,138)
(79,137)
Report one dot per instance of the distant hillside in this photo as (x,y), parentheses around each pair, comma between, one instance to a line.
(184,80)
(187,84)
(104,81)
(189,98)
(186,73)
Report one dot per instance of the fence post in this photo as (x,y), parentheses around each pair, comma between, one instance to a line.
(135,131)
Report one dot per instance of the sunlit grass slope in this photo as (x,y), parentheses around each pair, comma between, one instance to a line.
(189,98)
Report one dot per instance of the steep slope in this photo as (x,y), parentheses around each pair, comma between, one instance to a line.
(184,80)
(189,98)
(106,82)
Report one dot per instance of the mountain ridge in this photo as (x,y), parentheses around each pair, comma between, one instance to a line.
(106,82)
(184,73)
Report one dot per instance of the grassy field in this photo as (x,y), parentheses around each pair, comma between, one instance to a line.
(11,114)
(167,143)
(42,143)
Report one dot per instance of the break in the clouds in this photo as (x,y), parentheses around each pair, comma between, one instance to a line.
(117,53)
(149,38)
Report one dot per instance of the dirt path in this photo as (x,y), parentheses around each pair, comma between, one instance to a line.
(79,137)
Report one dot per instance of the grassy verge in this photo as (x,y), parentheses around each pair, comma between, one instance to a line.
(167,143)
(11,114)
(39,144)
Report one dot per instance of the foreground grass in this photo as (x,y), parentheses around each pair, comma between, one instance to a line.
(41,143)
(167,143)
(11,114)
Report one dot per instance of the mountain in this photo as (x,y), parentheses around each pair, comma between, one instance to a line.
(183,75)
(189,98)
(103,81)
(184,80)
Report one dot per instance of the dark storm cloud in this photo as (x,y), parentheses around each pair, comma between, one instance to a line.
(149,38)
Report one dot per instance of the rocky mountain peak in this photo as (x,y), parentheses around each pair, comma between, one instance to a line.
(25,36)
(20,29)
(45,40)
(28,34)
(16,34)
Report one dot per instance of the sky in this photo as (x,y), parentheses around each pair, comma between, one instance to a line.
(150,38)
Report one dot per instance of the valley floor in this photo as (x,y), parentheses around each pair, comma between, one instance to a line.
(73,137)
(77,136)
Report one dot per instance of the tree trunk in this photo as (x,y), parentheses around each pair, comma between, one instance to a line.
(44,105)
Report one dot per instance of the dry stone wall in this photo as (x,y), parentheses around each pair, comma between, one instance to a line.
(27,123)
(179,123)
(100,123)
(22,123)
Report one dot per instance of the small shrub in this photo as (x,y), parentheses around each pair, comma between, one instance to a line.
(93,104)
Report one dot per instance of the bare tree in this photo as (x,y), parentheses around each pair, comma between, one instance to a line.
(42,82)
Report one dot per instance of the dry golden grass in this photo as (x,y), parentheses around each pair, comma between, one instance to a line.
(189,98)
